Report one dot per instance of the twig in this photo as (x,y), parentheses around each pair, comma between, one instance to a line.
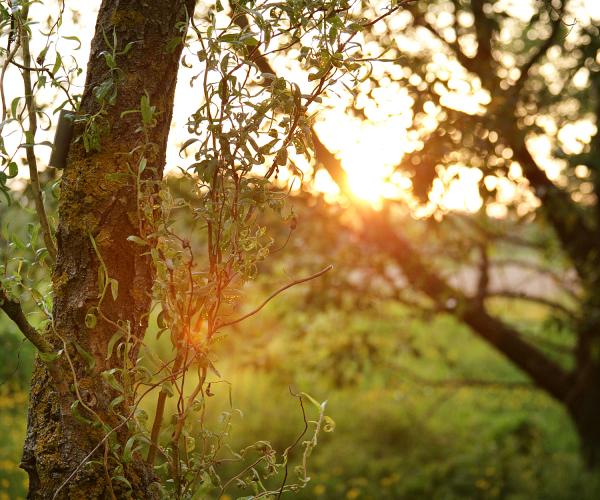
(29,148)
(274,294)
(13,310)
(294,444)
(510,294)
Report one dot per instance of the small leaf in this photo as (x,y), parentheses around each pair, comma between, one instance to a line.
(187,143)
(85,355)
(136,239)
(74,39)
(14,106)
(114,288)
(76,414)
(57,64)
(160,320)
(329,424)
(49,357)
(111,343)
(123,480)
(90,320)
(13,170)
(167,389)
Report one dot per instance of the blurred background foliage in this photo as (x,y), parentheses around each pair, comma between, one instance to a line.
(398,433)
(423,409)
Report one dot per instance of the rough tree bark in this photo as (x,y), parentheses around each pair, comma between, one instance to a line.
(98,200)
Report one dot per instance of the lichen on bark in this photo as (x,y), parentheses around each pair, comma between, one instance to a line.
(98,202)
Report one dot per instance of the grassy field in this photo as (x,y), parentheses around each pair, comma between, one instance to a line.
(398,434)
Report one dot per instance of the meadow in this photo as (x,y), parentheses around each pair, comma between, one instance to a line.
(416,414)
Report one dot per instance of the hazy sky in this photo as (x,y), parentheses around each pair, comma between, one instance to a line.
(369,151)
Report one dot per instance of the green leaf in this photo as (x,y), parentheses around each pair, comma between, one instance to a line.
(146,109)
(250,41)
(49,357)
(114,288)
(187,143)
(160,320)
(74,39)
(137,240)
(76,414)
(128,450)
(13,170)
(42,55)
(14,106)
(167,388)
(329,424)
(123,480)
(116,401)
(229,38)
(111,343)
(90,320)
(110,378)
(91,362)
(57,64)
(101,281)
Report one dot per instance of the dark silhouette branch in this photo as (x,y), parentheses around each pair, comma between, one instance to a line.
(13,310)
(565,285)
(466,62)
(379,232)
(542,49)
(511,294)
(273,295)
(484,275)
(467,382)
(566,217)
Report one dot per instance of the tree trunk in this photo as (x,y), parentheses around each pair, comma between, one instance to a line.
(583,404)
(99,205)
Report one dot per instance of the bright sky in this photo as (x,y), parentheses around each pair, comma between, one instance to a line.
(369,151)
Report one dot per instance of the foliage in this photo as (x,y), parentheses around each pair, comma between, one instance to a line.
(395,437)
(247,119)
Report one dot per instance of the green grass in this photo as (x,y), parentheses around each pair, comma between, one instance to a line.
(396,436)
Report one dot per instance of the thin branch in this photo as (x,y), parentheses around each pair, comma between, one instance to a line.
(466,62)
(468,382)
(569,286)
(542,49)
(13,310)
(294,444)
(274,294)
(511,294)
(29,148)
(484,274)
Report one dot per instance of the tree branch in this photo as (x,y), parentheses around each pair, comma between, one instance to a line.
(511,294)
(323,155)
(546,373)
(570,224)
(466,62)
(274,294)
(468,382)
(30,136)
(567,286)
(541,50)
(13,310)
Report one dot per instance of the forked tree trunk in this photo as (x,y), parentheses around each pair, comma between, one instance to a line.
(98,201)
